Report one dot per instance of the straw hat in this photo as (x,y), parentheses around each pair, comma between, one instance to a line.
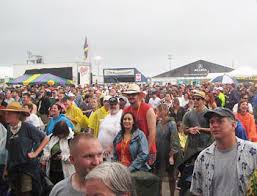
(15,107)
(132,89)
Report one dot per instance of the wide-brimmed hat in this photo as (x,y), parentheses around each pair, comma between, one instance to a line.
(15,107)
(132,89)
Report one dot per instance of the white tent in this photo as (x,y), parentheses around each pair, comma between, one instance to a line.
(243,72)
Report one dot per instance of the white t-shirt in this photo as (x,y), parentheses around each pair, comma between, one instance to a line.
(182,101)
(109,128)
(250,108)
(34,120)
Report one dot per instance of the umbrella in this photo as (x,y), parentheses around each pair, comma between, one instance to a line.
(224,79)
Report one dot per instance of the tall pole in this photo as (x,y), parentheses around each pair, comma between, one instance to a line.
(169,59)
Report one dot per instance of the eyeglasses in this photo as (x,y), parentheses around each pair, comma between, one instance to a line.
(196,99)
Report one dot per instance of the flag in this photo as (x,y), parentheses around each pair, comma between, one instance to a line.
(85,49)
(29,53)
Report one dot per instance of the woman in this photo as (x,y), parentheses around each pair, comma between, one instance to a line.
(210,101)
(130,145)
(24,143)
(247,120)
(56,112)
(57,153)
(169,151)
(168,100)
(176,111)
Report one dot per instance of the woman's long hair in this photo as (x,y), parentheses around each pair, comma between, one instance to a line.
(239,105)
(134,126)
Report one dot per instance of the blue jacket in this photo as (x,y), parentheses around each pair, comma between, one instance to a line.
(240,131)
(138,150)
(53,121)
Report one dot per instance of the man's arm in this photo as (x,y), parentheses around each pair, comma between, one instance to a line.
(151,123)
(35,153)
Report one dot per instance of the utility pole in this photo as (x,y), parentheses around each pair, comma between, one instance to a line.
(169,59)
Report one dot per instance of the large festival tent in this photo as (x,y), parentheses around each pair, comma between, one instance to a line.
(47,78)
(244,73)
(195,71)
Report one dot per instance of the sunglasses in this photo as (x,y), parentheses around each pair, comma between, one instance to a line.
(196,99)
(132,94)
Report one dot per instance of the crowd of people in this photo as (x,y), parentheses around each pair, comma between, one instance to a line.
(88,140)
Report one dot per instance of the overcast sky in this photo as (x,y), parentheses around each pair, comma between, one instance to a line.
(130,33)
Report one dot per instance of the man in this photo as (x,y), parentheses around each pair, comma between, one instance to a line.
(85,154)
(110,127)
(86,105)
(154,101)
(75,114)
(144,115)
(224,168)
(24,143)
(123,102)
(8,97)
(96,118)
(27,99)
(196,126)
(221,96)
(43,106)
(109,179)
(233,96)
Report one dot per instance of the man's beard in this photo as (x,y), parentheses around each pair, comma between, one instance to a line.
(114,111)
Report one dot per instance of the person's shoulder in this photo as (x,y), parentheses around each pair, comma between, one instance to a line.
(60,187)
(127,109)
(145,105)
(172,122)
(209,151)
(247,144)
(26,125)
(189,113)
(139,133)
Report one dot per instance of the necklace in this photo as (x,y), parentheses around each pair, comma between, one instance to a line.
(132,110)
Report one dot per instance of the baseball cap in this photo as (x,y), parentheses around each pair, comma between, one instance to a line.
(198,94)
(219,111)
(113,101)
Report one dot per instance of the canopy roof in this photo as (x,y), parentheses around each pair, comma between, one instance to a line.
(244,72)
(198,68)
(40,79)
